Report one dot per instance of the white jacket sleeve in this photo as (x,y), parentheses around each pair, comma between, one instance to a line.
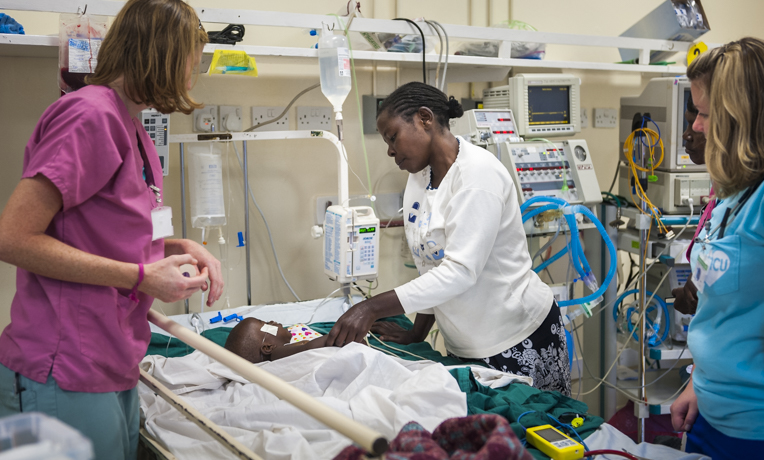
(472,221)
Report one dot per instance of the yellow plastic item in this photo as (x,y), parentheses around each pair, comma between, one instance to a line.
(554,443)
(233,62)
(695,51)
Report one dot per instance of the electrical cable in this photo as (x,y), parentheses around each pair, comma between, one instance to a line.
(440,51)
(267,227)
(445,67)
(625,346)
(392,348)
(424,63)
(615,176)
(286,110)
(610,452)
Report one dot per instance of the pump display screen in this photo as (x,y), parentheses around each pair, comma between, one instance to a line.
(551,435)
(548,105)
(367,230)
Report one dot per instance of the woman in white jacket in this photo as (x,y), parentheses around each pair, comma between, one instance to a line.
(464,227)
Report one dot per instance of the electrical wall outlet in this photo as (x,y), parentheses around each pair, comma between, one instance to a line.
(261,114)
(206,119)
(605,118)
(584,118)
(230,119)
(314,118)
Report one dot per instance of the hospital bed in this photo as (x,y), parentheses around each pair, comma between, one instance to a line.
(362,385)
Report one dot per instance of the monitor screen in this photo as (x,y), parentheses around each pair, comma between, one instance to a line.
(551,435)
(548,105)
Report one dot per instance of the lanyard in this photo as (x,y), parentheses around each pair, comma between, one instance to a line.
(148,172)
(727,212)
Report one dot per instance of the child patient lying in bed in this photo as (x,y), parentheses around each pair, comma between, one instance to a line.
(257,341)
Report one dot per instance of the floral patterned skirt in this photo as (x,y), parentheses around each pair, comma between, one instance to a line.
(542,356)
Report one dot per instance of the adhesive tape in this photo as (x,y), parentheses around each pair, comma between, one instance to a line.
(187,270)
(270,329)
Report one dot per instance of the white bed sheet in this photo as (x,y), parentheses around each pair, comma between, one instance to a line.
(380,391)
(608,437)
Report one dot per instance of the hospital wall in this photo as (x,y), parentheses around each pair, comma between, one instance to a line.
(286,176)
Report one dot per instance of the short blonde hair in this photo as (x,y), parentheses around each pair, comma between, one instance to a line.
(733,78)
(149,45)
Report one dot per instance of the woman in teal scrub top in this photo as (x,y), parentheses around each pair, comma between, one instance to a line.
(722,408)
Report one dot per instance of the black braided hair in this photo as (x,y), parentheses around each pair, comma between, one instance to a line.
(409,98)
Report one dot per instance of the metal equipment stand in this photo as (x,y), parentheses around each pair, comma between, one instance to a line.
(342,172)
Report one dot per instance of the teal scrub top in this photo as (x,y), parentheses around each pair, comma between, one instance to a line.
(726,337)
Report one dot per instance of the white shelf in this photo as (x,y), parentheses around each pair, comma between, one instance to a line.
(47,46)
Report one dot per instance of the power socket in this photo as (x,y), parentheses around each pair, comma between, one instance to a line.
(314,118)
(230,119)
(605,118)
(206,119)
(584,118)
(261,114)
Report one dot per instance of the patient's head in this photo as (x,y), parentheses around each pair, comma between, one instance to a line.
(255,340)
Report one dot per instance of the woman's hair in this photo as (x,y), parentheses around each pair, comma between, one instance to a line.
(733,78)
(149,44)
(409,98)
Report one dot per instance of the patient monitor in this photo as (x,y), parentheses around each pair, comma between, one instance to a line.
(544,105)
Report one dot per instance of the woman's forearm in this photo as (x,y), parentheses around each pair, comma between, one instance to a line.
(422,325)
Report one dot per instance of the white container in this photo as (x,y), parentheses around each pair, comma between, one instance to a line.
(205,172)
(35,436)
(334,64)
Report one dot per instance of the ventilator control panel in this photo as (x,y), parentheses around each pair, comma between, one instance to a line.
(560,169)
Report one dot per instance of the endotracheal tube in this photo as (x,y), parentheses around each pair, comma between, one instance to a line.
(334,65)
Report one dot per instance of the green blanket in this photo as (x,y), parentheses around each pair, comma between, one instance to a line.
(510,401)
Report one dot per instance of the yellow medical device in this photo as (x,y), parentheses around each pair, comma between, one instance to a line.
(554,443)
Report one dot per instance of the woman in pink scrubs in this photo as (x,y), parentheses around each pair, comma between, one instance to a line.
(82,226)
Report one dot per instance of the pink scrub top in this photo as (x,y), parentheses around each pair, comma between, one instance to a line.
(89,338)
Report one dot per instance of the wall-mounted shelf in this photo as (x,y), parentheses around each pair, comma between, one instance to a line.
(47,46)
(44,46)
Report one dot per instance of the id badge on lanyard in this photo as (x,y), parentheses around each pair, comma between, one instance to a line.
(161,216)
(701,270)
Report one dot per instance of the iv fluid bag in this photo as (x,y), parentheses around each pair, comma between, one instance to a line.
(334,64)
(205,172)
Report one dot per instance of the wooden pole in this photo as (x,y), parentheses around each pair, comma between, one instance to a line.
(228,441)
(366,438)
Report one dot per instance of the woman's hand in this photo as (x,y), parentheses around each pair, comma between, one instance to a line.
(686,298)
(164,281)
(684,410)
(355,323)
(205,261)
(392,332)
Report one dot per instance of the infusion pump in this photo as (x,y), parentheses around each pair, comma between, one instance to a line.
(351,243)
(546,168)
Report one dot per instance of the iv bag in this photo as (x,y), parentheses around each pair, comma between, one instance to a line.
(79,38)
(334,64)
(205,174)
